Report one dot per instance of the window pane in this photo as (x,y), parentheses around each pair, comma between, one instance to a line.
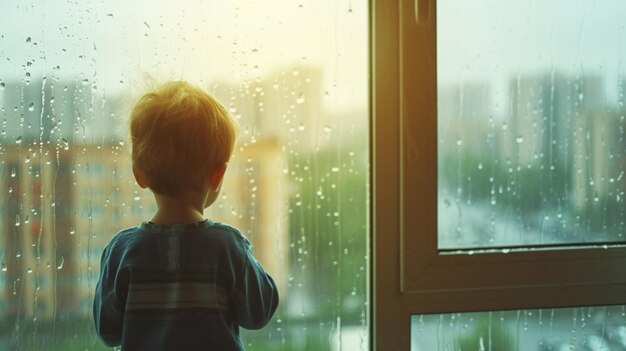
(294,75)
(531,122)
(581,328)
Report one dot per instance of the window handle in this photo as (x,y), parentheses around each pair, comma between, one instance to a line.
(422,11)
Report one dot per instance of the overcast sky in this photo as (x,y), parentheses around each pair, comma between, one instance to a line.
(494,40)
(490,40)
(114,43)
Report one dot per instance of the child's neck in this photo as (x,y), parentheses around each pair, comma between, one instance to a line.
(171,210)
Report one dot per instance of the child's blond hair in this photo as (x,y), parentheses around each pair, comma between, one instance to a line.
(180,135)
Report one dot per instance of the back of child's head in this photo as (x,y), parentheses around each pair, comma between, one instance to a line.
(180,135)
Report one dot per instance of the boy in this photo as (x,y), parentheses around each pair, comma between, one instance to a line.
(179,281)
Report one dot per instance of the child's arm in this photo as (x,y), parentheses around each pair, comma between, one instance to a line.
(257,294)
(108,306)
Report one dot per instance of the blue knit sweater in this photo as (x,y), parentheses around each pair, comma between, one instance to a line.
(181,287)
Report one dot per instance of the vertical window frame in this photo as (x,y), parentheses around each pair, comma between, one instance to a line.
(411,275)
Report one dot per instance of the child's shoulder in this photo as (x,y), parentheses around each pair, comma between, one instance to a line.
(122,237)
(228,232)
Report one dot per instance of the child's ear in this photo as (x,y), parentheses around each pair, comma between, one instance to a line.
(217,176)
(139,179)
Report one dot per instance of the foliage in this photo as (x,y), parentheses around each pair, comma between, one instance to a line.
(486,335)
(328,228)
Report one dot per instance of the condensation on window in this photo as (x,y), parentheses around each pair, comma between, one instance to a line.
(531,123)
(582,328)
(293,74)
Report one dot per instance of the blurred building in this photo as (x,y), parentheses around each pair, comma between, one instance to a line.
(542,114)
(38,255)
(285,105)
(465,119)
(599,162)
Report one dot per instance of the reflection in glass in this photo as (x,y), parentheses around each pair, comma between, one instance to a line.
(296,185)
(531,123)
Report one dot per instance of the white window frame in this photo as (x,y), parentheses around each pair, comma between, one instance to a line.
(410,274)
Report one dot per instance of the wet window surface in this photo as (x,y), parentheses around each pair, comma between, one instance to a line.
(294,75)
(531,123)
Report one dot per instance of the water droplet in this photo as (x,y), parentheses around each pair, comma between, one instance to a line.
(335,169)
(61,262)
(519,140)
(29,270)
(13,172)
(18,140)
(137,198)
(4,267)
(275,86)
(28,39)
(72,231)
(85,81)
(2,85)
(300,99)
(66,144)
(31,107)
(328,129)
(295,72)
(18,254)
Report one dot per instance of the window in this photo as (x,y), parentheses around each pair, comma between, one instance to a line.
(495,198)
(295,76)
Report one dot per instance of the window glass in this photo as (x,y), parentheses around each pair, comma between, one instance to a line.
(581,328)
(531,122)
(294,75)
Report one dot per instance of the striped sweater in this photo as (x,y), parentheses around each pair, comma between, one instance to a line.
(181,287)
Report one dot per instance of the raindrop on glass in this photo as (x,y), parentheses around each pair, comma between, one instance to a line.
(300,99)
(4,267)
(31,107)
(18,140)
(61,262)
